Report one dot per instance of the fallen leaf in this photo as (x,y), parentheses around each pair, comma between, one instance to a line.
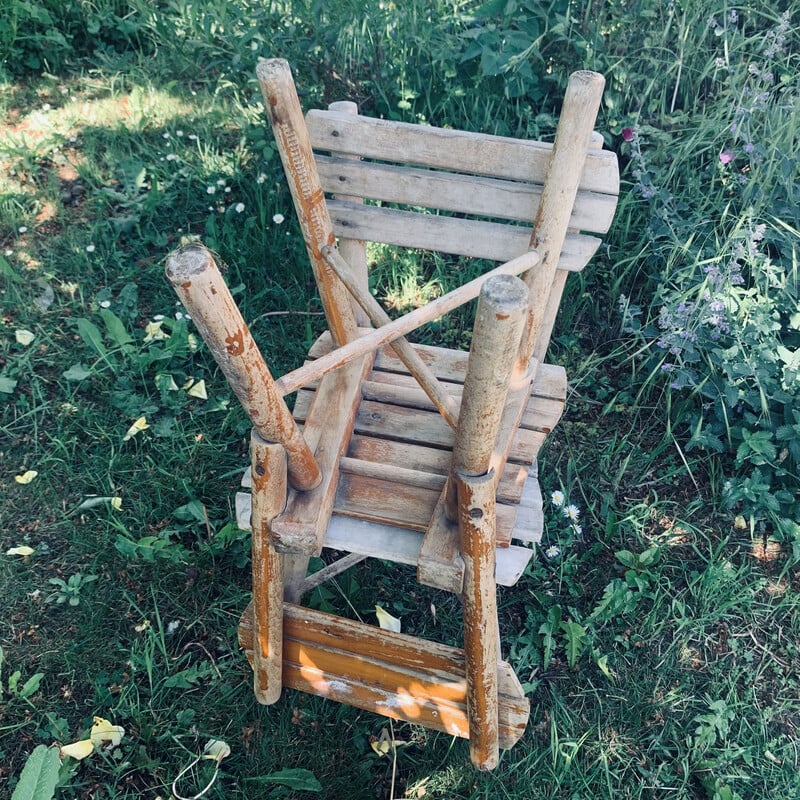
(78,750)
(137,427)
(198,390)
(386,620)
(22,550)
(105,731)
(216,750)
(26,477)
(24,337)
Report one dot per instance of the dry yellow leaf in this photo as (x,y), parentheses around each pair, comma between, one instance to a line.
(26,477)
(137,427)
(24,337)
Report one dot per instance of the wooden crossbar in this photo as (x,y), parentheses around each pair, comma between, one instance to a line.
(388,673)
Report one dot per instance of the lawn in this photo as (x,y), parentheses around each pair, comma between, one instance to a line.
(657,632)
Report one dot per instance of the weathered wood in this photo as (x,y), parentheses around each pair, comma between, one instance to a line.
(559,279)
(455,192)
(443,148)
(474,238)
(499,318)
(286,118)
(268,468)
(405,352)
(314,370)
(198,283)
(388,673)
(476,525)
(401,546)
(354,251)
(327,429)
(570,151)
(332,570)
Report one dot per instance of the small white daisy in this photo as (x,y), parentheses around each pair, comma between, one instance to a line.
(557,498)
(179,133)
(105,304)
(90,248)
(261,177)
(172,157)
(22,229)
(572,512)
(227,189)
(553,551)
(278,219)
(211,189)
(193,137)
(165,135)
(238,208)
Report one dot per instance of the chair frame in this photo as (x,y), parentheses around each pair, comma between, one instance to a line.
(296,476)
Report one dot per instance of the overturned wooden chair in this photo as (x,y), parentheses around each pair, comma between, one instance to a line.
(414,454)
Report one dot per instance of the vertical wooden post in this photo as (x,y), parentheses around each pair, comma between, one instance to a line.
(476,523)
(199,284)
(581,103)
(557,287)
(288,125)
(268,465)
(499,320)
(354,251)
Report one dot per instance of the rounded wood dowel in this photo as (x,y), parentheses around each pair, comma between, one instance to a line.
(268,469)
(476,524)
(499,319)
(294,146)
(199,284)
(573,139)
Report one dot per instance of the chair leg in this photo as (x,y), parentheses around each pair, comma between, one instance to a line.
(476,523)
(268,463)
(295,567)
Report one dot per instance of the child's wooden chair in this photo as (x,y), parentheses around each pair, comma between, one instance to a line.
(418,455)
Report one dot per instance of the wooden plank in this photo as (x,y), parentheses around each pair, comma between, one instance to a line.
(388,673)
(390,543)
(327,430)
(353,251)
(459,151)
(464,237)
(286,118)
(463,194)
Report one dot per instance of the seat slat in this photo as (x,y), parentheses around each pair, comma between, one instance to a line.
(459,151)
(464,194)
(464,237)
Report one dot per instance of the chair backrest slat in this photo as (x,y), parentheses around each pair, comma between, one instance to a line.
(467,237)
(459,151)
(448,191)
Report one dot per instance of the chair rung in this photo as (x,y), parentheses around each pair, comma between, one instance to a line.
(392,674)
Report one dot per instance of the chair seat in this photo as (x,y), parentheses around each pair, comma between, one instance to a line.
(396,462)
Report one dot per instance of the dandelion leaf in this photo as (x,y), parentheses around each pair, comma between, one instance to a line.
(39,775)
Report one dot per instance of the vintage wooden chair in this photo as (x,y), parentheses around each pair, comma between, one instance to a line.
(418,455)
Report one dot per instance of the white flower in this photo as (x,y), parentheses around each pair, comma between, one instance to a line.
(172,157)
(238,208)
(22,229)
(220,181)
(105,304)
(552,551)
(158,317)
(90,248)
(165,135)
(178,315)
(261,177)
(179,133)
(211,189)
(572,512)
(578,530)
(172,627)
(193,137)
(557,498)
(9,251)
(278,219)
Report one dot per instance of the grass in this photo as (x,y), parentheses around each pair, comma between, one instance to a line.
(659,644)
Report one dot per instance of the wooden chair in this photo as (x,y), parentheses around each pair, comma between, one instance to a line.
(419,455)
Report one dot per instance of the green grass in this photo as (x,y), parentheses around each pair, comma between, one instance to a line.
(659,644)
